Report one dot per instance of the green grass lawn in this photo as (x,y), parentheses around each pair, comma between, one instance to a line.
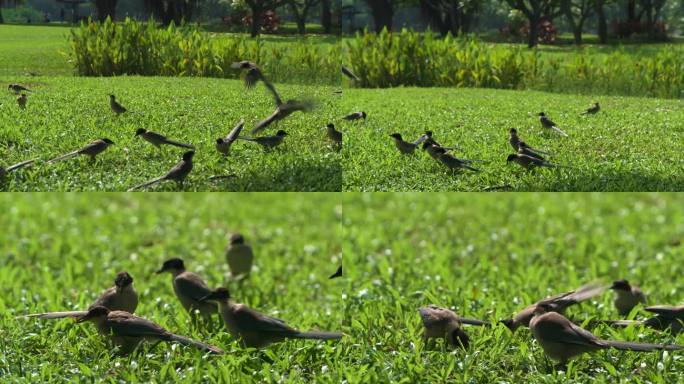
(487,257)
(65,113)
(59,251)
(633,144)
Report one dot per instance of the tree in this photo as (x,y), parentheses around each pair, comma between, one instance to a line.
(326,16)
(576,12)
(258,7)
(602,28)
(105,8)
(171,10)
(382,12)
(455,16)
(536,11)
(300,10)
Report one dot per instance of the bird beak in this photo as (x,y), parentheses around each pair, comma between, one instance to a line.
(160,270)
(83,318)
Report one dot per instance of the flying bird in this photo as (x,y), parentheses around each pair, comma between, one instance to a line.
(253,75)
(348,72)
(282,111)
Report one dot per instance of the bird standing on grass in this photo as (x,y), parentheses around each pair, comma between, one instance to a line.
(116,107)
(178,173)
(268,142)
(189,288)
(239,256)
(22,100)
(592,110)
(4,171)
(547,123)
(443,323)
(334,135)
(529,162)
(223,144)
(92,150)
(127,331)
(120,297)
(254,329)
(158,140)
(405,147)
(627,296)
(348,72)
(355,116)
(522,147)
(18,88)
(452,162)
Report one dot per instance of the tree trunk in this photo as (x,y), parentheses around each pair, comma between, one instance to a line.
(650,25)
(2,21)
(301,24)
(382,13)
(326,16)
(534,20)
(256,21)
(631,10)
(105,8)
(602,24)
(577,33)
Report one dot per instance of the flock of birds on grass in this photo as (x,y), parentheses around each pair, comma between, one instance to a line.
(253,74)
(560,338)
(112,312)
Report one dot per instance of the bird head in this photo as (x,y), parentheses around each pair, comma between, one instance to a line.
(237,238)
(621,285)
(187,156)
(94,313)
(541,114)
(428,133)
(140,131)
(112,97)
(396,136)
(218,294)
(174,264)
(513,131)
(220,141)
(123,280)
(330,126)
(363,114)
(510,324)
(511,157)
(281,133)
(10,86)
(106,140)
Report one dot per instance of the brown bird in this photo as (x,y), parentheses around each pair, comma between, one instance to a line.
(522,148)
(92,150)
(256,330)
(239,256)
(158,140)
(268,142)
(189,288)
(592,110)
(334,135)
(558,303)
(355,116)
(178,173)
(120,297)
(22,100)
(562,340)
(282,111)
(666,318)
(627,296)
(17,88)
(443,323)
(253,75)
(116,107)
(223,144)
(529,162)
(337,273)
(547,123)
(4,171)
(405,147)
(452,162)
(348,72)
(430,145)
(126,331)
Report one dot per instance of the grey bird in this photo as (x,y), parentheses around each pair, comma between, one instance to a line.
(22,100)
(430,145)
(223,144)
(348,72)
(4,171)
(522,148)
(558,303)
(627,296)
(120,297)
(254,329)
(442,323)
(189,288)
(529,162)
(178,173)
(127,331)
(338,273)
(355,116)
(562,340)
(116,107)
(91,150)
(452,162)
(666,317)
(592,110)
(334,135)
(158,140)
(17,88)
(282,111)
(253,75)
(405,147)
(268,142)
(547,123)
(239,256)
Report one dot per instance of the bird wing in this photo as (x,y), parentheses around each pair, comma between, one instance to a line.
(568,333)
(106,299)
(296,105)
(192,285)
(582,293)
(433,316)
(93,146)
(233,135)
(124,324)
(265,122)
(665,310)
(251,320)
(347,72)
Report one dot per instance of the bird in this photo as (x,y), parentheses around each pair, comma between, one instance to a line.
(666,317)
(239,256)
(254,329)
(355,116)
(558,303)
(522,148)
(562,340)
(337,273)
(189,288)
(22,100)
(405,147)
(443,323)
(119,297)
(178,173)
(348,72)
(452,162)
(116,107)
(268,142)
(92,149)
(592,110)
(253,75)
(547,123)
(282,111)
(18,88)
(223,144)
(126,330)
(334,135)
(529,162)
(4,171)
(430,145)
(627,296)
(158,140)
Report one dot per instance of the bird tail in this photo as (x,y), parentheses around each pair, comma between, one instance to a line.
(177,144)
(55,315)
(147,184)
(586,292)
(559,131)
(197,344)
(621,323)
(481,323)
(641,347)
(539,151)
(466,166)
(63,157)
(246,138)
(317,335)
(20,165)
